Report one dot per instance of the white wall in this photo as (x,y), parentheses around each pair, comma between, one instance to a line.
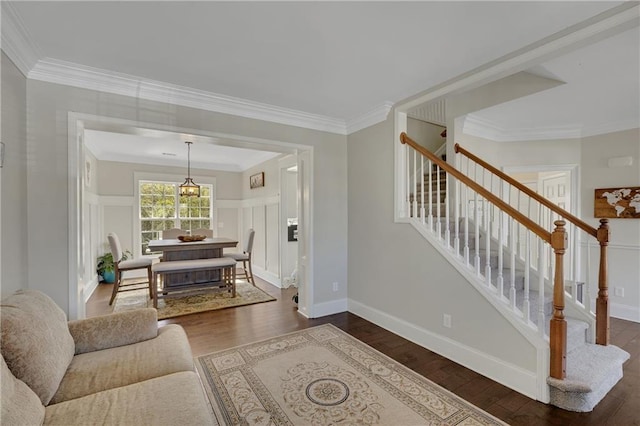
(13,225)
(426,134)
(49,105)
(624,246)
(398,280)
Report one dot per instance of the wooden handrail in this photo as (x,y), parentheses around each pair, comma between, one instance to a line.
(602,234)
(530,224)
(531,193)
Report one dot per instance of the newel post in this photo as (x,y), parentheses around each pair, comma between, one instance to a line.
(558,325)
(602,302)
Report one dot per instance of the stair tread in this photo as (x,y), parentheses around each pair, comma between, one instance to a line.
(588,367)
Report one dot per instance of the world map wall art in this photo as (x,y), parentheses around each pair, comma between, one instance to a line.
(617,203)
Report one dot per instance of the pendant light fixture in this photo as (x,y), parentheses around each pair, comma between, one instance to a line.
(189,188)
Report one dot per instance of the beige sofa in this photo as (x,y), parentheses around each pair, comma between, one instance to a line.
(114,369)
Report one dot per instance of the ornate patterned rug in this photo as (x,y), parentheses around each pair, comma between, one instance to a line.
(323,376)
(246,294)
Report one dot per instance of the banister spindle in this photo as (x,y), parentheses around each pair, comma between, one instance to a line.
(602,302)
(422,192)
(558,326)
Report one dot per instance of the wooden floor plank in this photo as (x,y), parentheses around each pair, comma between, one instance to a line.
(226,328)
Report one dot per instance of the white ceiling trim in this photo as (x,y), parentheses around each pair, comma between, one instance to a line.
(16,42)
(475,126)
(610,127)
(71,74)
(375,116)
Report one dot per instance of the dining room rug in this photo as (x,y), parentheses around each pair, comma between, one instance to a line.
(175,306)
(323,376)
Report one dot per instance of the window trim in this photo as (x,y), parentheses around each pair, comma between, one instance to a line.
(169,178)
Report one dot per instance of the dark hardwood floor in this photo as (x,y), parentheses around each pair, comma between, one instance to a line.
(217,330)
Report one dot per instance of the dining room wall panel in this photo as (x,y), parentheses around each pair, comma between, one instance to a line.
(259,225)
(272,243)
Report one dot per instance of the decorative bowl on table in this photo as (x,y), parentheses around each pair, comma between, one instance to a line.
(191,238)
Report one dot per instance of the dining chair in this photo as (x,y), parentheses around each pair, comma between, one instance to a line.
(203,231)
(122,265)
(173,233)
(245,256)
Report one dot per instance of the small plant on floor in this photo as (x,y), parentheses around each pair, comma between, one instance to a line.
(106,266)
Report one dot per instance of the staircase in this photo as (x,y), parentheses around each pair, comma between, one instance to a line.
(521,264)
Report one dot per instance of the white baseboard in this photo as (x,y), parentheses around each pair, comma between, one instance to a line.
(329,308)
(89,288)
(269,277)
(625,312)
(512,376)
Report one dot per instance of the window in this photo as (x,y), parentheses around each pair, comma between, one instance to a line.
(162,208)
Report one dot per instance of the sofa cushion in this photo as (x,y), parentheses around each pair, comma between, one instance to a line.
(175,399)
(36,342)
(19,405)
(123,365)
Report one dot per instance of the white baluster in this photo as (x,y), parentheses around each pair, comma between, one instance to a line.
(456,213)
(541,256)
(587,297)
(466,225)
(415,184)
(430,196)
(408,188)
(512,288)
(500,278)
(447,232)
(477,234)
(422,192)
(487,232)
(527,269)
(439,201)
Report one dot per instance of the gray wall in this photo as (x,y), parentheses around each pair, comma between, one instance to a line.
(49,105)
(14,180)
(395,273)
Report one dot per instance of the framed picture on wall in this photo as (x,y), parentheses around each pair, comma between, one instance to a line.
(257,180)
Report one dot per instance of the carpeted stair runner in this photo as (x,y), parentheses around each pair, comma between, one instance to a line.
(592,370)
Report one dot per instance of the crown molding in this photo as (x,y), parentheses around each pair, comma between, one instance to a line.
(374,116)
(16,42)
(606,128)
(476,126)
(485,129)
(71,74)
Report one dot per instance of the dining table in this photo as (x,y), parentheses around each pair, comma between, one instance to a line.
(175,249)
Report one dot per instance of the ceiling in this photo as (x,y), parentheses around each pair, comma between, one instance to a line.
(331,62)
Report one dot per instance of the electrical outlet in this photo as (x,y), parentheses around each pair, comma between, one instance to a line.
(335,286)
(618,291)
(446,320)
(220,224)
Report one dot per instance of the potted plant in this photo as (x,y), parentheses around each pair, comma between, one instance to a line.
(106,266)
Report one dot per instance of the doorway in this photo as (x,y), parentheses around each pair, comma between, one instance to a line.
(81,251)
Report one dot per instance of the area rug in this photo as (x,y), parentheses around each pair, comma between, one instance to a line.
(323,376)
(246,294)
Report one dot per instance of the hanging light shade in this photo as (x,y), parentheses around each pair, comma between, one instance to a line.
(189,188)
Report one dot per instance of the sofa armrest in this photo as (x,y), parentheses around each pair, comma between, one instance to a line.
(118,329)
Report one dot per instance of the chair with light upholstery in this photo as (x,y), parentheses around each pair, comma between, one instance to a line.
(203,231)
(173,233)
(245,256)
(122,265)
